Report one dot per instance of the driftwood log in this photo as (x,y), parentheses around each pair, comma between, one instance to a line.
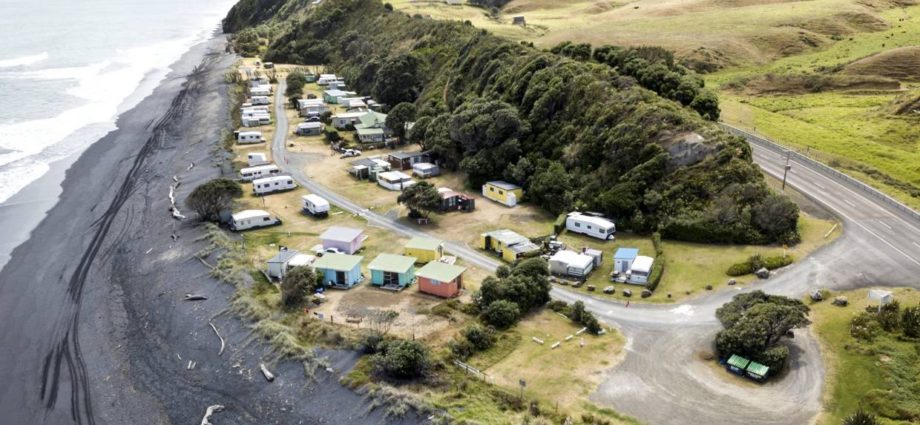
(222,344)
(266,373)
(206,420)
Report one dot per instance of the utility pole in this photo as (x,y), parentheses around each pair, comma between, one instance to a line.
(786,168)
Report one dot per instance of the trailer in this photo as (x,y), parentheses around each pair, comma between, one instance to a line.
(260,100)
(315,205)
(249,137)
(267,185)
(260,91)
(252,219)
(252,173)
(591,225)
(255,159)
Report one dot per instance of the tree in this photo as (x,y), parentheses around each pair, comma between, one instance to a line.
(552,187)
(502,272)
(755,323)
(210,198)
(422,198)
(481,338)
(861,417)
(707,105)
(502,314)
(403,359)
(775,216)
(910,321)
(296,80)
(889,316)
(297,284)
(398,117)
(398,80)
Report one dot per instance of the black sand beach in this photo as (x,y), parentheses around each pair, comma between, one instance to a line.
(95,329)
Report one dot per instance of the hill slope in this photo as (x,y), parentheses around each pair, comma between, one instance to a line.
(575,134)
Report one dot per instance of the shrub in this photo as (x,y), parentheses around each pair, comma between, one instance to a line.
(442,310)
(297,285)
(910,322)
(558,306)
(861,417)
(461,348)
(889,316)
(402,359)
(657,272)
(370,342)
(756,262)
(501,314)
(209,199)
(481,338)
(864,327)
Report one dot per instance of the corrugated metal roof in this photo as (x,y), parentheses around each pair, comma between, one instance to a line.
(626,253)
(504,185)
(283,256)
(738,361)
(341,234)
(392,263)
(423,243)
(758,369)
(338,262)
(439,271)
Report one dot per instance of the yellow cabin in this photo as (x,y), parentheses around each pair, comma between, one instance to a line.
(424,249)
(510,245)
(503,192)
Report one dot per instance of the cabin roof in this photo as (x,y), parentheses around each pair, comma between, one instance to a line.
(439,271)
(392,263)
(338,262)
(341,234)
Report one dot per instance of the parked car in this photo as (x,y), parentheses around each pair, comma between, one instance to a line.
(312,119)
(348,153)
(319,250)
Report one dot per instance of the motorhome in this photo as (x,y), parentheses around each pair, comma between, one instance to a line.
(315,205)
(268,185)
(591,225)
(261,171)
(255,159)
(249,137)
(252,219)
(260,100)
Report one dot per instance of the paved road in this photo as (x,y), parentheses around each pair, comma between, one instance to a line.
(879,246)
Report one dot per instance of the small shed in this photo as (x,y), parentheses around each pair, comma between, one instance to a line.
(401,160)
(571,263)
(391,271)
(440,279)
(519,20)
(640,270)
(346,239)
(503,192)
(757,371)
(596,254)
(883,297)
(339,270)
(424,249)
(623,259)
(737,364)
(452,200)
(509,244)
(425,170)
(278,265)
(309,129)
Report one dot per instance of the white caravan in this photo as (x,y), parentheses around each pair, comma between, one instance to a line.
(262,171)
(315,205)
(249,137)
(598,227)
(260,100)
(260,91)
(268,185)
(252,219)
(256,159)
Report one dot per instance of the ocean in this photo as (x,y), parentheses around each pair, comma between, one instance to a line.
(69,68)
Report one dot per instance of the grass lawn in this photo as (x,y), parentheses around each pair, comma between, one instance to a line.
(860,374)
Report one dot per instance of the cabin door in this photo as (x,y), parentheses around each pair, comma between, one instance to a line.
(390,278)
(340,278)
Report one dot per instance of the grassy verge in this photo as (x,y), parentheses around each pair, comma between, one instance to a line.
(860,374)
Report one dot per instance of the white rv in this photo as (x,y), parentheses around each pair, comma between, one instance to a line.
(260,91)
(255,121)
(256,159)
(249,137)
(261,171)
(252,219)
(315,205)
(598,227)
(268,185)
(394,180)
(640,270)
(260,100)
(254,109)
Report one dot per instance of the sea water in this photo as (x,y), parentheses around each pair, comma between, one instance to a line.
(68,68)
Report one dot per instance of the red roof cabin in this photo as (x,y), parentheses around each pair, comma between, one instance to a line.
(440,279)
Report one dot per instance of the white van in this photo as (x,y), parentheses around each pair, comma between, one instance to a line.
(260,100)
(249,137)
(261,171)
(252,219)
(591,225)
(268,185)
(255,159)
(315,205)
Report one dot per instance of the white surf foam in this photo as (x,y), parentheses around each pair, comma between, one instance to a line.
(23,60)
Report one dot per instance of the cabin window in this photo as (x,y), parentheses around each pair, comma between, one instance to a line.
(435,282)
(501,193)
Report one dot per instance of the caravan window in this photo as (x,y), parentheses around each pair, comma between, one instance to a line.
(588,226)
(577,224)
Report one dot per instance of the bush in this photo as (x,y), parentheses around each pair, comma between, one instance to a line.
(657,272)
(461,348)
(209,199)
(756,262)
(558,306)
(910,322)
(370,342)
(297,285)
(442,310)
(402,359)
(864,327)
(501,314)
(889,317)
(861,417)
(481,338)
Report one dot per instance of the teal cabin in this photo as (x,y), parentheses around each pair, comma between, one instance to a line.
(391,271)
(339,270)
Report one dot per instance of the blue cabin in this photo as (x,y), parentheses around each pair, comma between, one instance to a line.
(623,259)
(339,270)
(391,271)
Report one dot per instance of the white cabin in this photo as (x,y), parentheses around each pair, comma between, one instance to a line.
(268,185)
(258,172)
(260,100)
(590,225)
(249,137)
(252,219)
(640,270)
(315,205)
(255,159)
(571,263)
(394,180)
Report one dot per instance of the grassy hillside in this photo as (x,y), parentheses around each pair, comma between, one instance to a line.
(575,134)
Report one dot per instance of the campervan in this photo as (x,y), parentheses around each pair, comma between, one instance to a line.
(315,205)
(261,171)
(252,219)
(260,100)
(255,159)
(268,185)
(591,225)
(249,137)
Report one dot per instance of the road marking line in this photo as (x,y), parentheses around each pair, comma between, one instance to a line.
(849,202)
(917,244)
(819,186)
(886,225)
